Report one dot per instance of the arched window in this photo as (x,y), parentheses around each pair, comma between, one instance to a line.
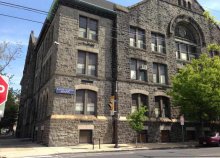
(186,43)
(184,3)
(86,102)
(189,6)
(138,100)
(162,106)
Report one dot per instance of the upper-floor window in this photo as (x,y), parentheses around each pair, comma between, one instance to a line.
(88,28)
(138,70)
(87,63)
(86,102)
(138,100)
(184,3)
(189,6)
(185,51)
(162,108)
(137,37)
(158,43)
(186,47)
(159,73)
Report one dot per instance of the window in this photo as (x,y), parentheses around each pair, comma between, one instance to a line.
(87,63)
(186,47)
(86,101)
(162,108)
(185,51)
(137,101)
(137,37)
(158,43)
(184,3)
(179,2)
(138,70)
(88,28)
(189,6)
(159,73)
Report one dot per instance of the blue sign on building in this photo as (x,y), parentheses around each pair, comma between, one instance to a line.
(65,91)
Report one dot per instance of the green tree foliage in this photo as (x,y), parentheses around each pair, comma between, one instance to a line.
(196,89)
(137,118)
(213,47)
(211,18)
(11,111)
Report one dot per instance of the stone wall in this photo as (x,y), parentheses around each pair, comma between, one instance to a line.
(66,131)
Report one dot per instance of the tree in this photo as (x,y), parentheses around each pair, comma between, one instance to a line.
(210,18)
(11,111)
(136,120)
(8,53)
(196,89)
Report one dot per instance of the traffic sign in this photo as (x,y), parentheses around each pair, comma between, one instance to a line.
(3,89)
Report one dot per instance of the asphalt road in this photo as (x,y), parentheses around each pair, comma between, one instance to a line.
(173,153)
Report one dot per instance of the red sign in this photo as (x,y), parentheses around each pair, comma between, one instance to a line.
(3,89)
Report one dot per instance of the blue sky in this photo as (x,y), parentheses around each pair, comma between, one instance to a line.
(13,30)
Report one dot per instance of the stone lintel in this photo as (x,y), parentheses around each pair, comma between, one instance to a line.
(88,49)
(80,117)
(88,87)
(134,91)
(85,127)
(163,127)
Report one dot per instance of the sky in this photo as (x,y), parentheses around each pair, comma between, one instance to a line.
(18,31)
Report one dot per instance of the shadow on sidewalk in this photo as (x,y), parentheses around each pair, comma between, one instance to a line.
(13,142)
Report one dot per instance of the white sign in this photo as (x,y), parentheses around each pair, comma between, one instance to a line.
(182,120)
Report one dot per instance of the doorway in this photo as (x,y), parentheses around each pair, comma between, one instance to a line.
(85,136)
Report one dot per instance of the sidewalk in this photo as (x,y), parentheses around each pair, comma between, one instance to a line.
(17,148)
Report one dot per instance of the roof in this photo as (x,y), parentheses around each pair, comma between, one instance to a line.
(102,3)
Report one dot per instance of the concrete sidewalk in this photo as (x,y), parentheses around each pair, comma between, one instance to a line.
(17,148)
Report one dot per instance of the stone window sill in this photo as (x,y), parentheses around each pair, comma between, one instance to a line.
(136,48)
(138,81)
(159,54)
(88,40)
(87,76)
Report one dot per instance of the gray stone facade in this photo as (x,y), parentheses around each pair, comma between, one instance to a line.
(51,119)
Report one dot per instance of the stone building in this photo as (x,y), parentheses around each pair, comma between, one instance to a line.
(90,50)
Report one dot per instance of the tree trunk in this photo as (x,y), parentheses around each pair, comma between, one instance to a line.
(140,139)
(136,139)
(202,125)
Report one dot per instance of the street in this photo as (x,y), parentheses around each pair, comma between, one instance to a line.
(179,153)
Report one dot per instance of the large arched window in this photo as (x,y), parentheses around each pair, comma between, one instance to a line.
(86,102)
(162,107)
(186,42)
(138,100)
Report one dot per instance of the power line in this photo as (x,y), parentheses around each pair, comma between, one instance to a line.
(12,5)
(44,12)
(15,17)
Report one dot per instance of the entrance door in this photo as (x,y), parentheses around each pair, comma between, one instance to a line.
(85,136)
(143,137)
(165,136)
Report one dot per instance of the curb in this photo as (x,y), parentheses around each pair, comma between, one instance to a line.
(134,149)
